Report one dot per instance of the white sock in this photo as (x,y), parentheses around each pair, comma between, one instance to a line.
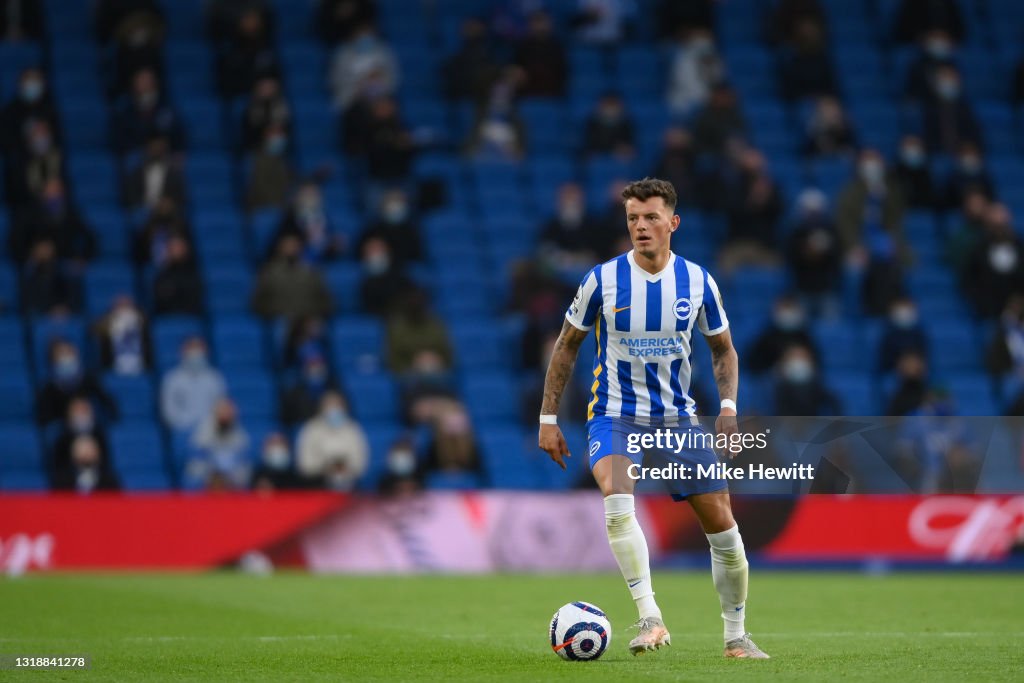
(630,549)
(729,571)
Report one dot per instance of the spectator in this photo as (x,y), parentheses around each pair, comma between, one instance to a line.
(911,384)
(753,205)
(799,390)
(828,131)
(53,218)
(677,164)
(1004,357)
(718,122)
(805,68)
(275,472)
(949,120)
(337,21)
(138,47)
(271,173)
(966,233)
(124,338)
(610,235)
(541,56)
(80,420)
(46,286)
(289,288)
(911,171)
(157,176)
(301,400)
(31,103)
(469,72)
(995,269)
(602,23)
(498,132)
(417,339)
(68,380)
(569,239)
(813,253)
(383,280)
(88,469)
(396,226)
(332,447)
(453,448)
(190,390)
(968,175)
(937,447)
(116,18)
(178,287)
(306,339)
(789,15)
(306,221)
(403,475)
(247,54)
(219,451)
(609,129)
(917,17)
(152,239)
(144,114)
(869,211)
(385,143)
(696,68)
(788,328)
(365,66)
(267,107)
(21,20)
(34,163)
(223,17)
(903,333)
(936,49)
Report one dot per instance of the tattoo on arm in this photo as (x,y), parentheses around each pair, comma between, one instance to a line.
(726,365)
(563,359)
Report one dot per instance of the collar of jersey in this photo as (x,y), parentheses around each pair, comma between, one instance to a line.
(650,277)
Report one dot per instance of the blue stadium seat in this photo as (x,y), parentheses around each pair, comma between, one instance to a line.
(22,449)
(228,288)
(134,394)
(358,343)
(372,396)
(15,396)
(105,282)
(253,391)
(169,332)
(239,342)
(492,395)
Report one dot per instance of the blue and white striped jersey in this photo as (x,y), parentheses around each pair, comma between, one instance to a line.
(643,325)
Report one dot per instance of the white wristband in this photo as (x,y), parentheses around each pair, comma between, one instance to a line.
(729,403)
(548,419)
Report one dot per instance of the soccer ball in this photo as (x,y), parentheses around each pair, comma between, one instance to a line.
(580,631)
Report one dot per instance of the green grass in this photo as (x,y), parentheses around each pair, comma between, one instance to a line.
(295,627)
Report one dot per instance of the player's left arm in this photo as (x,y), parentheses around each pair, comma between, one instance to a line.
(726,365)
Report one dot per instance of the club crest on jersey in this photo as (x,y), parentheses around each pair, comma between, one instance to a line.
(682,308)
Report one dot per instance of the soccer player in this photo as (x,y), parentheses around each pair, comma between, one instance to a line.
(643,307)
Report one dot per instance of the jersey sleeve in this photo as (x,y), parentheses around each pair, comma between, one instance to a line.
(583,310)
(712,319)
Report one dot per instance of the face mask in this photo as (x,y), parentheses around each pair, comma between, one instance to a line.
(610,115)
(276,145)
(571,213)
(873,172)
(701,44)
(938,48)
(377,264)
(146,100)
(365,43)
(402,462)
(87,478)
(913,157)
(904,317)
(41,144)
(948,89)
(276,457)
(789,319)
(195,360)
(970,164)
(32,91)
(1003,258)
(395,212)
(66,367)
(81,424)
(316,376)
(335,417)
(798,371)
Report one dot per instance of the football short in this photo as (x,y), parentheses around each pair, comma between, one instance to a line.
(678,460)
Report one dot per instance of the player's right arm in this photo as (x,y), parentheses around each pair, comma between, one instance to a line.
(563,359)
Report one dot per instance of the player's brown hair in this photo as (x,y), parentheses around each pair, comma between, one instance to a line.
(643,190)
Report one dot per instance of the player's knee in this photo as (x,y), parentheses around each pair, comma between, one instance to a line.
(619,512)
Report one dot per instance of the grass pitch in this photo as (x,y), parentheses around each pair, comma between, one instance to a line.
(296,627)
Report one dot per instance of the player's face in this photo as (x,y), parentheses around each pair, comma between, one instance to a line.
(651,225)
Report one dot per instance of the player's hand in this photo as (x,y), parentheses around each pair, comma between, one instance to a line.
(726,424)
(552,441)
